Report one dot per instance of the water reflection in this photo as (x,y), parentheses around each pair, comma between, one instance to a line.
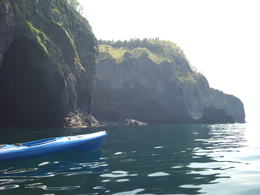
(58,173)
(177,159)
(185,159)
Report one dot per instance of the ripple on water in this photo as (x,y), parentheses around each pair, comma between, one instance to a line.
(177,167)
(204,172)
(122,180)
(7,187)
(43,175)
(20,171)
(189,186)
(43,163)
(95,167)
(35,185)
(157,147)
(75,168)
(14,181)
(87,164)
(94,164)
(158,174)
(3,170)
(115,174)
(118,153)
(62,188)
(130,192)
(100,188)
(87,194)
(79,173)
(208,165)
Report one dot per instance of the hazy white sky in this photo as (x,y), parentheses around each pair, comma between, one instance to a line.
(220,37)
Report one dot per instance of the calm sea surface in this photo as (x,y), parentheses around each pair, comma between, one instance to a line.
(165,159)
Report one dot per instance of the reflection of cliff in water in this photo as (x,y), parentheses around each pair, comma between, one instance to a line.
(56,173)
(163,162)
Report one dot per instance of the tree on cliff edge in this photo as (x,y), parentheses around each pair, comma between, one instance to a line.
(76,5)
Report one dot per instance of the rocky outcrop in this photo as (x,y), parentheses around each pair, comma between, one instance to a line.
(213,115)
(131,122)
(47,64)
(165,92)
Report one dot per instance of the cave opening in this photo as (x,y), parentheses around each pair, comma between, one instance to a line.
(24,102)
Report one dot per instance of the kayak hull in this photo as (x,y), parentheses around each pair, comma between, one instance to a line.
(52,146)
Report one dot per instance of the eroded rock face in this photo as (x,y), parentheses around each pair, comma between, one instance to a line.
(213,115)
(47,64)
(169,92)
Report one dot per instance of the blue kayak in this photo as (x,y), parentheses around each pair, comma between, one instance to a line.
(51,146)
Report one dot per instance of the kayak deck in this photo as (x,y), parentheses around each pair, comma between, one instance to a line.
(28,144)
(51,146)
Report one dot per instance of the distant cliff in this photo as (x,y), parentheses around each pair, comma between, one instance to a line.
(157,85)
(47,64)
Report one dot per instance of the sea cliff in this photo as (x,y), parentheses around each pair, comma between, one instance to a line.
(47,65)
(50,77)
(157,86)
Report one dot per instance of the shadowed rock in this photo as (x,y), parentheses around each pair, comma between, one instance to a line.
(47,64)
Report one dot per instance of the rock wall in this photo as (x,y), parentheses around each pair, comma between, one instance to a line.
(213,115)
(47,65)
(168,92)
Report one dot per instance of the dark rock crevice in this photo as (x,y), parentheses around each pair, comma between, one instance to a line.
(24,100)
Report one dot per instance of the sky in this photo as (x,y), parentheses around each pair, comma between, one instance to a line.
(220,37)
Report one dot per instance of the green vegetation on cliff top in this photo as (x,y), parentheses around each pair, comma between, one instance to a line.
(156,49)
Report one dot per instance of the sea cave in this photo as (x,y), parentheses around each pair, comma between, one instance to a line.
(24,102)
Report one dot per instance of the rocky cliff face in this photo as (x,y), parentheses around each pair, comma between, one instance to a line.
(47,64)
(165,92)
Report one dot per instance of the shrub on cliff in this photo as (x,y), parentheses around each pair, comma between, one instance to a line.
(158,50)
(76,5)
(154,45)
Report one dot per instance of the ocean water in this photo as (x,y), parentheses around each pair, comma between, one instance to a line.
(163,159)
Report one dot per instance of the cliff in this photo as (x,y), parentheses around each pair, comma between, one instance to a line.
(47,65)
(157,86)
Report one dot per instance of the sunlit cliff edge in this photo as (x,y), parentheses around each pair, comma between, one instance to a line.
(155,83)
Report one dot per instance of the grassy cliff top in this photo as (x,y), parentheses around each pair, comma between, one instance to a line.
(156,49)
(109,52)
